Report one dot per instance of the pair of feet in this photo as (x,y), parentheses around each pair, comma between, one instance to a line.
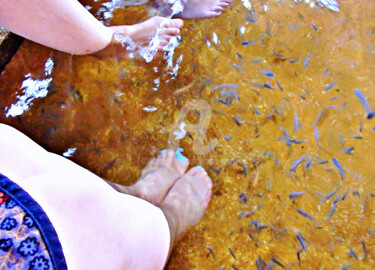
(142,33)
(182,196)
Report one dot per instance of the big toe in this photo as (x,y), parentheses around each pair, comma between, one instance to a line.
(201,182)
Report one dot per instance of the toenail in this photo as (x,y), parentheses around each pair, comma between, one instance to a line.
(181,158)
(162,151)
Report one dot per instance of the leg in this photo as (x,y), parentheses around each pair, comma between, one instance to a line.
(98,227)
(62,25)
(196,9)
(67,26)
(91,218)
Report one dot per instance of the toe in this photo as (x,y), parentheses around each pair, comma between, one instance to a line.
(218,8)
(201,184)
(214,13)
(224,4)
(175,23)
(195,170)
(169,32)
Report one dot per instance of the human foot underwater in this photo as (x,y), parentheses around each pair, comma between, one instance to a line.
(194,9)
(78,217)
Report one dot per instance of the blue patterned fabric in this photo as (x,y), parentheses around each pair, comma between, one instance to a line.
(28,240)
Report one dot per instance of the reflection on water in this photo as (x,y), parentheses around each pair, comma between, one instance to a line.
(291,94)
(31,89)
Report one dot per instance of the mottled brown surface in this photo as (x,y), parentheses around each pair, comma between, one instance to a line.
(96,105)
(9,44)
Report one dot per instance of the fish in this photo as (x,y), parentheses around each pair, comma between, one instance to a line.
(227,101)
(239,55)
(293,26)
(308,162)
(257,60)
(345,266)
(331,211)
(268,86)
(266,73)
(321,162)
(279,85)
(329,195)
(245,43)
(348,150)
(256,110)
(299,256)
(303,213)
(243,167)
(357,137)
(243,197)
(329,86)
(316,134)
(306,62)
(371,115)
(364,248)
(297,124)
(211,249)
(273,259)
(362,99)
(227,137)
(239,121)
(235,267)
(296,194)
(296,163)
(250,213)
(352,253)
(338,165)
(302,242)
(325,71)
(314,27)
(237,67)
(260,263)
(344,197)
(232,253)
(292,61)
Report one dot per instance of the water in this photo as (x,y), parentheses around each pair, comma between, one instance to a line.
(290,153)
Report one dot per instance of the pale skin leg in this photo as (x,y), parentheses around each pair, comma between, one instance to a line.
(100,228)
(196,9)
(67,26)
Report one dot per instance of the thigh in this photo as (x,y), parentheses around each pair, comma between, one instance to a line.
(98,227)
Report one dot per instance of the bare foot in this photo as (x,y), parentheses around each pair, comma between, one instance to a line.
(141,34)
(195,9)
(158,177)
(185,203)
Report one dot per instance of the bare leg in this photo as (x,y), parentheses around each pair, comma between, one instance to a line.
(67,26)
(158,177)
(100,228)
(195,9)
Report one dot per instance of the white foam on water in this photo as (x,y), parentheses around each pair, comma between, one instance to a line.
(149,52)
(150,109)
(247,4)
(69,152)
(215,38)
(31,89)
(181,132)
